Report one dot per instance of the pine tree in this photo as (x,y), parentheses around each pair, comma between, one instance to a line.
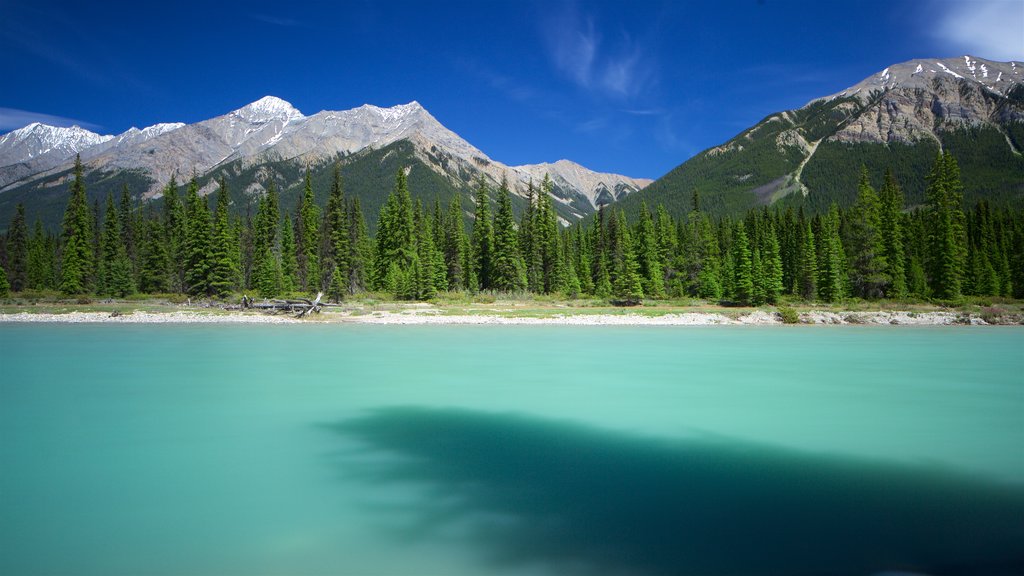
(127,217)
(831,259)
(77,257)
(771,264)
(338,286)
(947,245)
(545,239)
(5,288)
(743,267)
(454,244)
(289,267)
(867,248)
(337,234)
(40,259)
(197,241)
(153,257)
(307,239)
(482,238)
(508,273)
(807,268)
(115,276)
(360,249)
(627,285)
(396,242)
(649,256)
(223,270)
(17,251)
(532,258)
(891,199)
(175,224)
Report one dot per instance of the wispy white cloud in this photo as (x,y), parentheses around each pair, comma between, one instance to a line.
(12,118)
(992,29)
(618,68)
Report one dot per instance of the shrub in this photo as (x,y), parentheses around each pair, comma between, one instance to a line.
(789,315)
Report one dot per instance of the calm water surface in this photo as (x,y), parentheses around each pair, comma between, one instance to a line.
(365,450)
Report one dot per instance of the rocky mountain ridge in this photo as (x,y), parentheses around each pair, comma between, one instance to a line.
(898,118)
(270,131)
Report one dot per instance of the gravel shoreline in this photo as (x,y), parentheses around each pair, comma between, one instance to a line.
(433,317)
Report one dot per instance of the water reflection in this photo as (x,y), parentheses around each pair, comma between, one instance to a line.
(574,498)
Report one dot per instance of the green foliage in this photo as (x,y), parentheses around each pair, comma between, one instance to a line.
(223,270)
(197,247)
(77,256)
(789,315)
(866,241)
(508,273)
(17,251)
(5,288)
(482,239)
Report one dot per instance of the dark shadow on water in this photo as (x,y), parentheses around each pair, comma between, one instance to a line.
(602,502)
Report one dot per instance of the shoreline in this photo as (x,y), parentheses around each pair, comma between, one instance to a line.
(433,316)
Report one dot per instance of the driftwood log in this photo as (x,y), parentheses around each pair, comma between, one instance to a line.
(300,307)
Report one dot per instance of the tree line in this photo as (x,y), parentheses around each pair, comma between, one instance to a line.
(875,249)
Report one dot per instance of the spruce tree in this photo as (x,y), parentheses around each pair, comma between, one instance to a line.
(77,256)
(40,259)
(223,266)
(197,241)
(360,249)
(508,273)
(649,255)
(891,199)
(867,243)
(289,267)
(627,286)
(807,268)
(396,238)
(532,258)
(545,239)
(743,267)
(482,238)
(337,232)
(175,224)
(17,251)
(307,238)
(115,276)
(454,244)
(947,243)
(771,264)
(5,288)
(153,257)
(831,259)
(127,217)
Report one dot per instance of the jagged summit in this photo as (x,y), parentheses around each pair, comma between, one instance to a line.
(267,109)
(38,139)
(270,136)
(921,74)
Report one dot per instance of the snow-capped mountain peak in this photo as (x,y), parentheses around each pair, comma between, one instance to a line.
(38,139)
(268,109)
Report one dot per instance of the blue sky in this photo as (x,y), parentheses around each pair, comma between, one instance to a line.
(629,87)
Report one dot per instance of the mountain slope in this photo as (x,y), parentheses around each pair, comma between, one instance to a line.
(898,118)
(39,147)
(270,139)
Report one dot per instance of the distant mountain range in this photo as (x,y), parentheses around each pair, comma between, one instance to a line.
(898,118)
(810,157)
(270,140)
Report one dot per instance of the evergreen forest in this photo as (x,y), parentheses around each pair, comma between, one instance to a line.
(191,244)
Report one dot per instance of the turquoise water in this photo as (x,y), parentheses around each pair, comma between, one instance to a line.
(376,450)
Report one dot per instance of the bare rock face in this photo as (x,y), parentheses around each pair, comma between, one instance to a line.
(909,102)
(271,130)
(39,147)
